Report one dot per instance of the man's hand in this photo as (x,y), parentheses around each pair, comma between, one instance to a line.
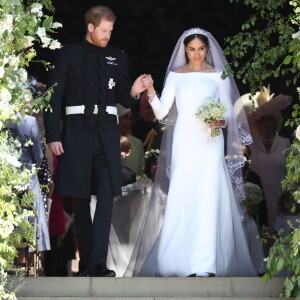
(56,148)
(138,86)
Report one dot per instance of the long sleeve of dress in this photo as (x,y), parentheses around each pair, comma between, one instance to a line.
(224,97)
(162,106)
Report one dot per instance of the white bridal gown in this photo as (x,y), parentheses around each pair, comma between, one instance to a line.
(202,229)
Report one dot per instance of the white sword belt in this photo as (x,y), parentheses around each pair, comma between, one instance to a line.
(79,109)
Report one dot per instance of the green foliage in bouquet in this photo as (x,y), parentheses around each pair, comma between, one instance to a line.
(211,111)
(23,26)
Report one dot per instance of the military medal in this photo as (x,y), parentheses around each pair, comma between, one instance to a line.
(111,83)
(111,60)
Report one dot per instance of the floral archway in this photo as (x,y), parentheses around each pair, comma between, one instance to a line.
(24,26)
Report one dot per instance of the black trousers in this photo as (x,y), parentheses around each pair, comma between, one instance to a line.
(93,237)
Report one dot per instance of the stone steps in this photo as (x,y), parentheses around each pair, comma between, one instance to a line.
(148,288)
(145,298)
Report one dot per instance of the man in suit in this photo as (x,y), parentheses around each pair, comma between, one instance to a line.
(90,77)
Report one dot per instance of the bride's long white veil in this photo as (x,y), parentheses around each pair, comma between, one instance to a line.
(143,261)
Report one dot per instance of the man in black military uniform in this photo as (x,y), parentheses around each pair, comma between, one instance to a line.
(82,130)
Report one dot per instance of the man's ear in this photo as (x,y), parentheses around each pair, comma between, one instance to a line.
(90,27)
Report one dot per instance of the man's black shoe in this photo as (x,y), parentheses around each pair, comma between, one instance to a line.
(82,273)
(104,272)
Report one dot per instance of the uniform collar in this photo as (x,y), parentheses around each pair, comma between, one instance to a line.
(92,47)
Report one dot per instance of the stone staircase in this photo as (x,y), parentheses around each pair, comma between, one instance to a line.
(148,288)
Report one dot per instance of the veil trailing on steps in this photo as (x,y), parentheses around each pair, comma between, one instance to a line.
(143,260)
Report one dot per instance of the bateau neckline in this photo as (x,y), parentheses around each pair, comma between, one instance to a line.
(198,72)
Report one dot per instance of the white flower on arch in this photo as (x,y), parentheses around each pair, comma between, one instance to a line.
(298,132)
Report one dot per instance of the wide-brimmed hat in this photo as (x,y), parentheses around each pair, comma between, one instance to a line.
(264,103)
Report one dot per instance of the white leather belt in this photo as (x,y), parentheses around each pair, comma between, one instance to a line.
(79,109)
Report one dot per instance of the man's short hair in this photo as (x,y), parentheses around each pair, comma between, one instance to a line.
(98,13)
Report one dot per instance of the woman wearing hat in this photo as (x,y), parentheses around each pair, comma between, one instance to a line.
(269,150)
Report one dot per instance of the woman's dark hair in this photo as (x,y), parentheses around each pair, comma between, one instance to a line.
(148,164)
(191,37)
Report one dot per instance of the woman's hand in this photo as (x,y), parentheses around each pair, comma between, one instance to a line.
(148,82)
(217,124)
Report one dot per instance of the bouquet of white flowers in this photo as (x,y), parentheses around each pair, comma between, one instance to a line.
(211,111)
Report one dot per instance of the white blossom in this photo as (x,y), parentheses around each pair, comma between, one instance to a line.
(27,96)
(5,60)
(22,74)
(5,95)
(2,71)
(151,153)
(28,143)
(28,41)
(1,28)
(56,25)
(41,32)
(11,84)
(46,41)
(6,228)
(6,24)
(36,8)
(296,35)
(14,61)
(10,159)
(298,132)
(55,44)
(5,109)
(17,143)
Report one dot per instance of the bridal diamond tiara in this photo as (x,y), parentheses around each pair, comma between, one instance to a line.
(194,31)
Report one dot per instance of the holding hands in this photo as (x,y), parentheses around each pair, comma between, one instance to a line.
(142,83)
(148,82)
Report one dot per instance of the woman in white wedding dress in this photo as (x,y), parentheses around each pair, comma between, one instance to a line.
(200,230)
